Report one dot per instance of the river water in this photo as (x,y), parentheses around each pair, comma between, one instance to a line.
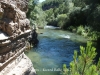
(55,48)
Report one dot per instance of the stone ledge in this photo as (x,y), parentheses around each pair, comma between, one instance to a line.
(23,67)
(3,65)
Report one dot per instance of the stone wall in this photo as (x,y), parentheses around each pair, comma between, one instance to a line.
(14,30)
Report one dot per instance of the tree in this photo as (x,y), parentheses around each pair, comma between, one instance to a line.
(38,16)
(61,20)
(31,5)
(83,64)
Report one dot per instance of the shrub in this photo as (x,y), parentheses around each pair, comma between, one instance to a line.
(94,35)
(61,20)
(80,29)
(72,28)
(83,64)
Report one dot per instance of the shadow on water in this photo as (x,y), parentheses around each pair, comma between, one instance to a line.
(53,51)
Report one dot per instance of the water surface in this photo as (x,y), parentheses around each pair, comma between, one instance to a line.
(54,50)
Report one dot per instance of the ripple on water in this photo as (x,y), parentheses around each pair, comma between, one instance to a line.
(53,51)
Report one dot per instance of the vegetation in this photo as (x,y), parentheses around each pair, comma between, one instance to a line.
(80,16)
(31,6)
(36,14)
(83,64)
(65,13)
(77,13)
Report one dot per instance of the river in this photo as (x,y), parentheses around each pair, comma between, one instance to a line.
(55,48)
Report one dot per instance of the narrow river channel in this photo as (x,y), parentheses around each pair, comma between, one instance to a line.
(55,48)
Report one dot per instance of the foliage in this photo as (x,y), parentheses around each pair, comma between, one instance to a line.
(31,6)
(94,18)
(61,20)
(67,13)
(72,29)
(38,16)
(51,4)
(50,15)
(94,35)
(35,14)
(79,12)
(55,10)
(80,30)
(83,64)
(86,31)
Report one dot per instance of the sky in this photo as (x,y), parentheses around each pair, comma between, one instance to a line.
(41,0)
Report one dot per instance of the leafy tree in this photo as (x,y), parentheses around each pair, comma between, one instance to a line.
(38,16)
(50,16)
(31,5)
(61,20)
(46,5)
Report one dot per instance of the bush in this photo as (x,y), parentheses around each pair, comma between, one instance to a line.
(61,20)
(80,29)
(94,35)
(83,64)
(72,28)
